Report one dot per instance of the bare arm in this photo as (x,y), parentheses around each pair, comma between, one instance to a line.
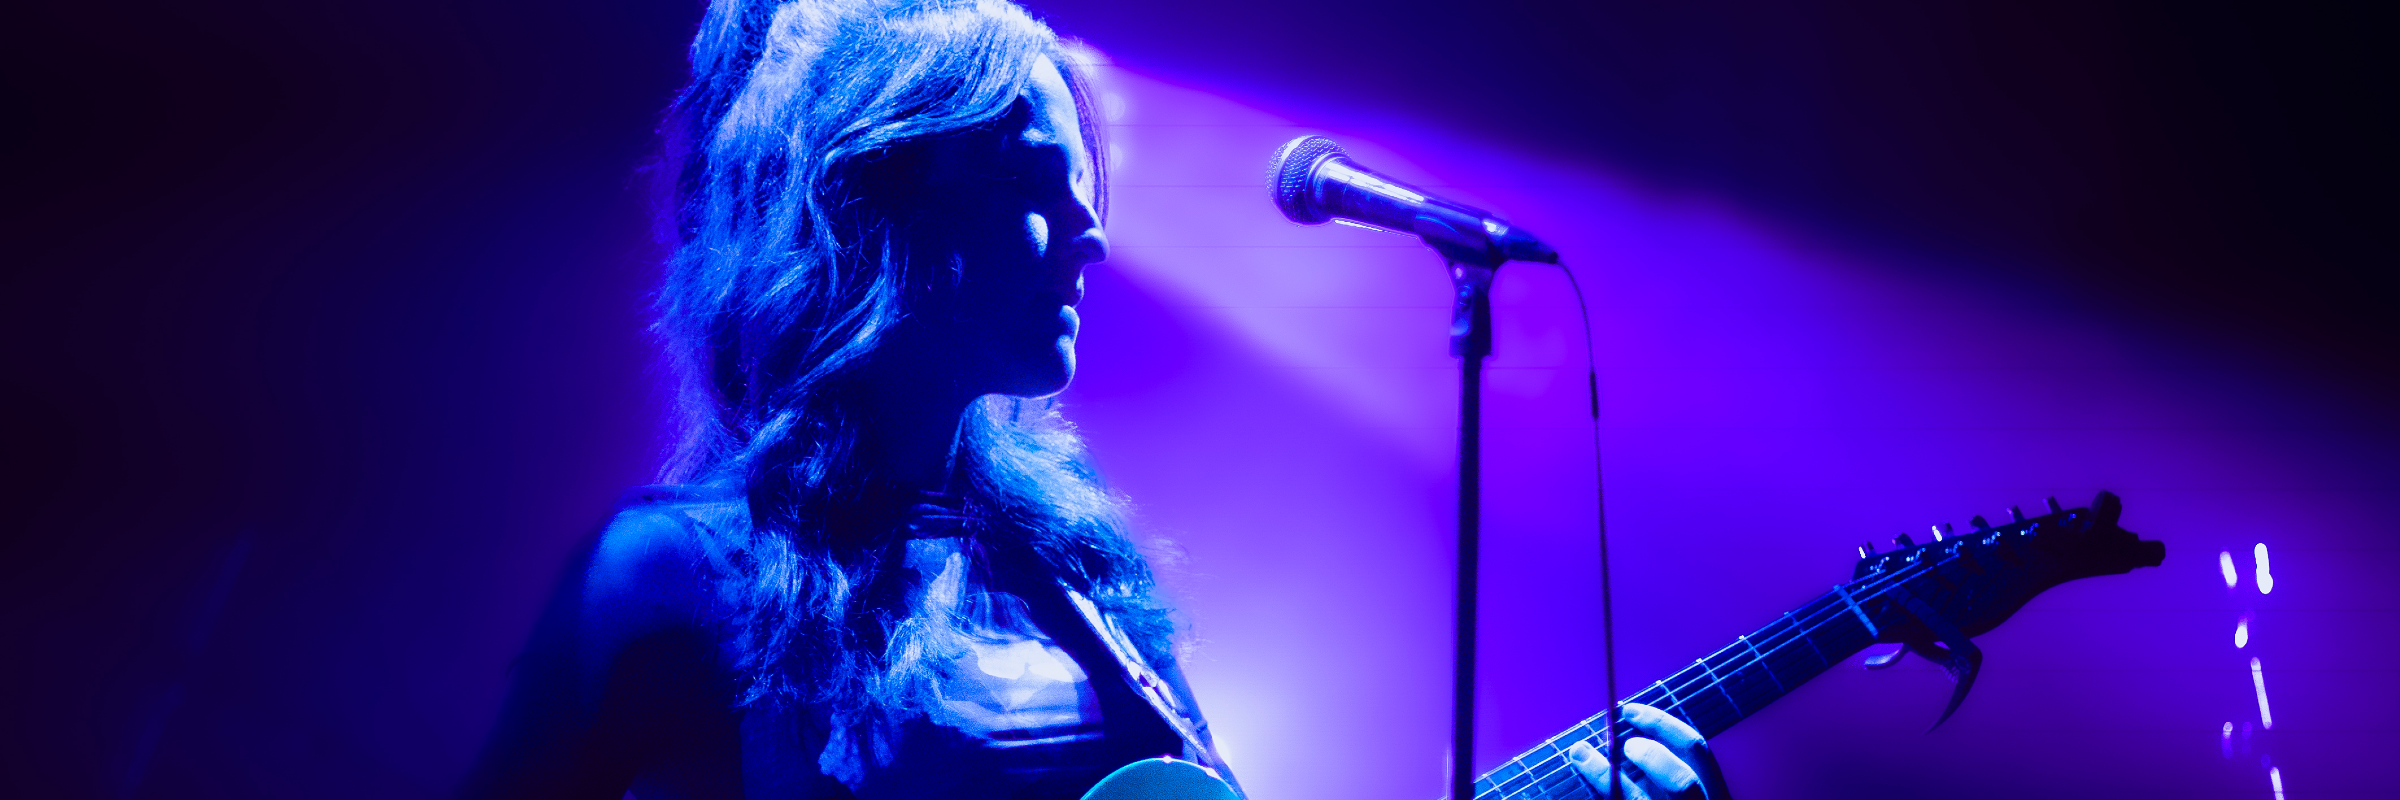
(618,681)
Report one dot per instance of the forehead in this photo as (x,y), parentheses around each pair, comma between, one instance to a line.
(1053,120)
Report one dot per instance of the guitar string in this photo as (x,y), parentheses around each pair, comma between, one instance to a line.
(1801,628)
(1874,589)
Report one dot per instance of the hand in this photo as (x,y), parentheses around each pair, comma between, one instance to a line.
(1663,758)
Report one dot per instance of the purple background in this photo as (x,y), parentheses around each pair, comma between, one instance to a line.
(328,336)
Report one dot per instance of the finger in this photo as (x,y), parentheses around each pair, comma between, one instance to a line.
(1662,726)
(1684,741)
(1590,763)
(1663,774)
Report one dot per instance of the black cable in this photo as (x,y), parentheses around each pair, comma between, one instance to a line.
(1608,620)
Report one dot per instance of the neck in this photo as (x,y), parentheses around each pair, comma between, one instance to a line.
(911,432)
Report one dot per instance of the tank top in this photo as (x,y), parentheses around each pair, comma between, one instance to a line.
(1018,698)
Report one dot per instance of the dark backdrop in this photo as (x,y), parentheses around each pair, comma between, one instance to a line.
(325,318)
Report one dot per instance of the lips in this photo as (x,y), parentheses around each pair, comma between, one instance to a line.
(1069,322)
(1063,298)
(1067,292)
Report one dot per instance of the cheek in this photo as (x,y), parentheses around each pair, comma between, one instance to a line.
(1037,234)
(999,246)
(1001,264)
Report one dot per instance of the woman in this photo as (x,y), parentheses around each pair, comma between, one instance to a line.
(882,569)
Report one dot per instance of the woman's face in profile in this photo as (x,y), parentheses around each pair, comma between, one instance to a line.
(1016,206)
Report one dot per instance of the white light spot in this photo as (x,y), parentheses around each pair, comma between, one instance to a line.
(2266,579)
(1937,533)
(2225,743)
(2241,633)
(2258,680)
(2275,778)
(2225,562)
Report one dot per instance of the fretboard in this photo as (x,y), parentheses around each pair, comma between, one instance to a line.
(1712,694)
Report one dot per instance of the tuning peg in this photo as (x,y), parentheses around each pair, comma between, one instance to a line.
(1866,549)
(1942,531)
(1979,522)
(2054,506)
(1903,541)
(2016,514)
(2106,507)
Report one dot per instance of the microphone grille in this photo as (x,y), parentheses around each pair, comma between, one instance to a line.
(1289,175)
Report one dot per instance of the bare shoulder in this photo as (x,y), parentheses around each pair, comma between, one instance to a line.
(621,670)
(649,568)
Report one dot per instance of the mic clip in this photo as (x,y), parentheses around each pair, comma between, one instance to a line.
(1469,236)
(1470,309)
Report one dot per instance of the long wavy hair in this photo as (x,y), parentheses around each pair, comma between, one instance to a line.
(786,165)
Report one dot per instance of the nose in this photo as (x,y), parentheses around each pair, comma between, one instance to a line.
(1089,243)
(1090,246)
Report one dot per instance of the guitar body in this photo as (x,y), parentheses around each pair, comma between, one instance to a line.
(1161,779)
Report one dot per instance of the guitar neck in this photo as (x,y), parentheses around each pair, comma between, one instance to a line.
(1713,693)
(1953,587)
(1729,685)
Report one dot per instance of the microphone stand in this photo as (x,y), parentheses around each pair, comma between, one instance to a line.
(1471,341)
(1314,182)
(1472,257)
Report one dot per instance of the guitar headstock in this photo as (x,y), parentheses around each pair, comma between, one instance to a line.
(1975,579)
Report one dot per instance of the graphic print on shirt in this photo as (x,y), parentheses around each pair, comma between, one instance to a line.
(1012,683)
(1003,702)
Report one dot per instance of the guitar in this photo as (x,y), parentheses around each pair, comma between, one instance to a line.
(1928,599)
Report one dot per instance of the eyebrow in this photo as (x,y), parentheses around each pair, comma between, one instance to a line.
(1031,149)
(1037,135)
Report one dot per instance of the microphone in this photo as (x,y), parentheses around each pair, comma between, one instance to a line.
(1315,181)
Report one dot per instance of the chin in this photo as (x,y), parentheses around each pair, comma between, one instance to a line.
(1057,380)
(1046,375)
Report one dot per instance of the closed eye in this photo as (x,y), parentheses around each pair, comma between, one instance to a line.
(1037,169)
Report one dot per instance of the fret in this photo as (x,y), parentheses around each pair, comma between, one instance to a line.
(1764,667)
(1541,772)
(1823,663)
(1666,700)
(1718,684)
(1556,779)
(1749,690)
(1854,609)
(1844,633)
(1714,709)
(1726,659)
(1499,778)
(1791,655)
(1565,786)
(1793,661)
